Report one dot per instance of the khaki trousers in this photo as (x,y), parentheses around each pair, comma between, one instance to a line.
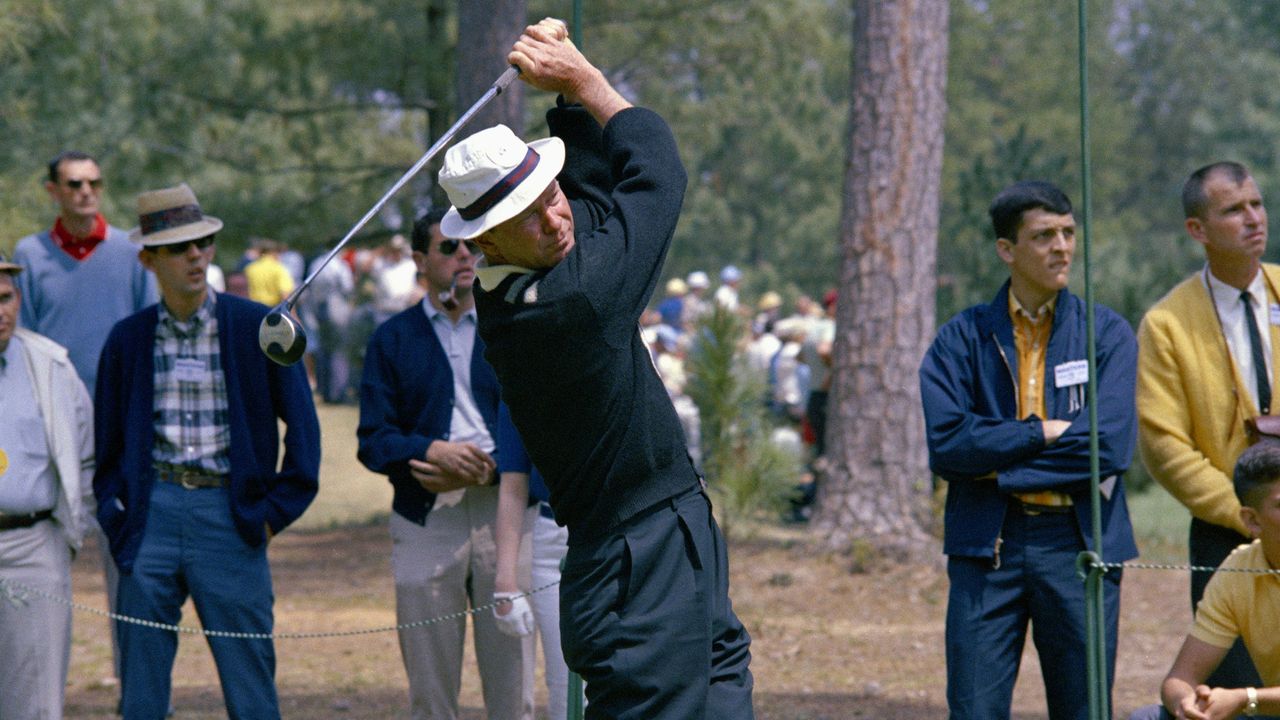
(35,633)
(441,568)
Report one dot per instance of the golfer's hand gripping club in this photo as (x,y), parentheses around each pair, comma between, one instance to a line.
(280,336)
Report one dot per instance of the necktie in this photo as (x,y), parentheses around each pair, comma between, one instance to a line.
(1259,360)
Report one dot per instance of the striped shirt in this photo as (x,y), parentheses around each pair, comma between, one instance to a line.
(192,429)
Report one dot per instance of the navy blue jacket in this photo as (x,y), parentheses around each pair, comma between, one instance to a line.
(406,403)
(968,385)
(259,393)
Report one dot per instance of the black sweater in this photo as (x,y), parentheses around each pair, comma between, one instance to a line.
(565,342)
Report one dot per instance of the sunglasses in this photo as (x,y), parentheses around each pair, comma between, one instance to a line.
(449,247)
(181,248)
(95,183)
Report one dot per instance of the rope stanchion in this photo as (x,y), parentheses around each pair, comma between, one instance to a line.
(13,592)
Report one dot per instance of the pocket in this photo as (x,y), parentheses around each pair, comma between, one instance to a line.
(594,588)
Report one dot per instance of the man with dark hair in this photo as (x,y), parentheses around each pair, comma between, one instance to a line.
(574,229)
(46,505)
(190,483)
(80,278)
(1007,423)
(1238,606)
(429,421)
(1207,364)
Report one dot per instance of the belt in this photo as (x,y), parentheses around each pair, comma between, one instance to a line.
(1029,508)
(545,511)
(1046,497)
(188,478)
(10,521)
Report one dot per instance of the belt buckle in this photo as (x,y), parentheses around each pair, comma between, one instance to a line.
(184,479)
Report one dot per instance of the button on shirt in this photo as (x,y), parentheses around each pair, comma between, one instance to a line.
(28,483)
(191,423)
(1031,336)
(1236,332)
(459,341)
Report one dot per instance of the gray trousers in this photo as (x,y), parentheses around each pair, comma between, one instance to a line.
(445,567)
(35,632)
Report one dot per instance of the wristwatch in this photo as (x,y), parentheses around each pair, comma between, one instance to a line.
(1251,702)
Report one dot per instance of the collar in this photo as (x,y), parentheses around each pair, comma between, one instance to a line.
(192,325)
(1045,311)
(1226,296)
(432,312)
(492,276)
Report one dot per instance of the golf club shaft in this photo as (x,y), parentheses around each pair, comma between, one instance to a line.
(494,90)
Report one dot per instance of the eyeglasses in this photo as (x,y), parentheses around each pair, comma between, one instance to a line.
(181,248)
(449,247)
(95,183)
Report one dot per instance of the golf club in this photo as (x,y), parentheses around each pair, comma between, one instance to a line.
(281,336)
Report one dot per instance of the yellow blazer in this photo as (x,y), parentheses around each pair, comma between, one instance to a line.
(1192,401)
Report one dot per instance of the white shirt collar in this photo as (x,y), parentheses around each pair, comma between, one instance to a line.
(492,276)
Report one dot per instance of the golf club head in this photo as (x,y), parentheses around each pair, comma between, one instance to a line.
(281,337)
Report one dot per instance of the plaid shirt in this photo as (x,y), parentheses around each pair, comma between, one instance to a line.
(192,429)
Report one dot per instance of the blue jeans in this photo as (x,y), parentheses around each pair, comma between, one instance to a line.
(989,609)
(191,548)
(645,619)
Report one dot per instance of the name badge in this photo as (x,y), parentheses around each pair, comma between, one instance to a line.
(1071,373)
(190,370)
(1275,314)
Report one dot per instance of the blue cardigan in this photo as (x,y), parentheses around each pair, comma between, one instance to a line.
(259,393)
(406,403)
(968,388)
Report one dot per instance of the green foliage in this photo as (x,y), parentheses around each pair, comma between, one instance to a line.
(747,474)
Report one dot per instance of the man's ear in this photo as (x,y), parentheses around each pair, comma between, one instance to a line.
(1195,228)
(1249,517)
(420,260)
(1004,249)
(144,257)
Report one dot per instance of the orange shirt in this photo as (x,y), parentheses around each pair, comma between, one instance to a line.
(1031,336)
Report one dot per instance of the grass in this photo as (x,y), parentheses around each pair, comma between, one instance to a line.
(1160,525)
(349,494)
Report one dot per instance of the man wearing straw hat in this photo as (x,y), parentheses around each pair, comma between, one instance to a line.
(575,229)
(187,411)
(46,504)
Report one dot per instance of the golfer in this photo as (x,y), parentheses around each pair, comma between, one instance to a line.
(574,229)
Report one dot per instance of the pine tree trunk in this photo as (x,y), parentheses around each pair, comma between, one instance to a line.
(874,496)
(486,31)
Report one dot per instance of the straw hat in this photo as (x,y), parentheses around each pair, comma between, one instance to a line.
(493,175)
(171,215)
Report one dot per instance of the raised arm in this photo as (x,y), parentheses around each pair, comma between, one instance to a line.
(548,60)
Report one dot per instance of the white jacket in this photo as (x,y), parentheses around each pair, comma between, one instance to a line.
(68,427)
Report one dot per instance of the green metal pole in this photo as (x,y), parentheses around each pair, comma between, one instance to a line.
(576,707)
(577,23)
(1095,624)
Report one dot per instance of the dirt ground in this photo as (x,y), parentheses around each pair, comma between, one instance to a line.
(828,644)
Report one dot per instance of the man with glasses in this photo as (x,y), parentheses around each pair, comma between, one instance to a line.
(189,482)
(79,278)
(428,421)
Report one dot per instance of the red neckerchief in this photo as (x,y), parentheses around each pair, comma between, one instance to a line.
(80,248)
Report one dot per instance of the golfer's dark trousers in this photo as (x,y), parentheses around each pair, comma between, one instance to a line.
(1208,545)
(991,605)
(645,619)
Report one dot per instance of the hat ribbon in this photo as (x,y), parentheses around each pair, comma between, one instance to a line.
(502,188)
(162,220)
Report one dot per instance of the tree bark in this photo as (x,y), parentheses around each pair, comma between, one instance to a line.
(486,31)
(874,493)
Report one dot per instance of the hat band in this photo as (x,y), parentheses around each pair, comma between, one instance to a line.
(502,188)
(162,220)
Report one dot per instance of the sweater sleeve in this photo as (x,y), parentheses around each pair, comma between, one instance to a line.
(1166,435)
(386,441)
(619,262)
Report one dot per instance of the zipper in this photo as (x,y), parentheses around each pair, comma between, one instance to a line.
(1008,366)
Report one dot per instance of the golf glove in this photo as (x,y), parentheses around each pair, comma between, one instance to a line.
(519,621)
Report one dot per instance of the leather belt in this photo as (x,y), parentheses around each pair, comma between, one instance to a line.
(1038,509)
(188,478)
(11,521)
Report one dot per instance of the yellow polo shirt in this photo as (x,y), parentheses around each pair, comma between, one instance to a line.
(1244,605)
